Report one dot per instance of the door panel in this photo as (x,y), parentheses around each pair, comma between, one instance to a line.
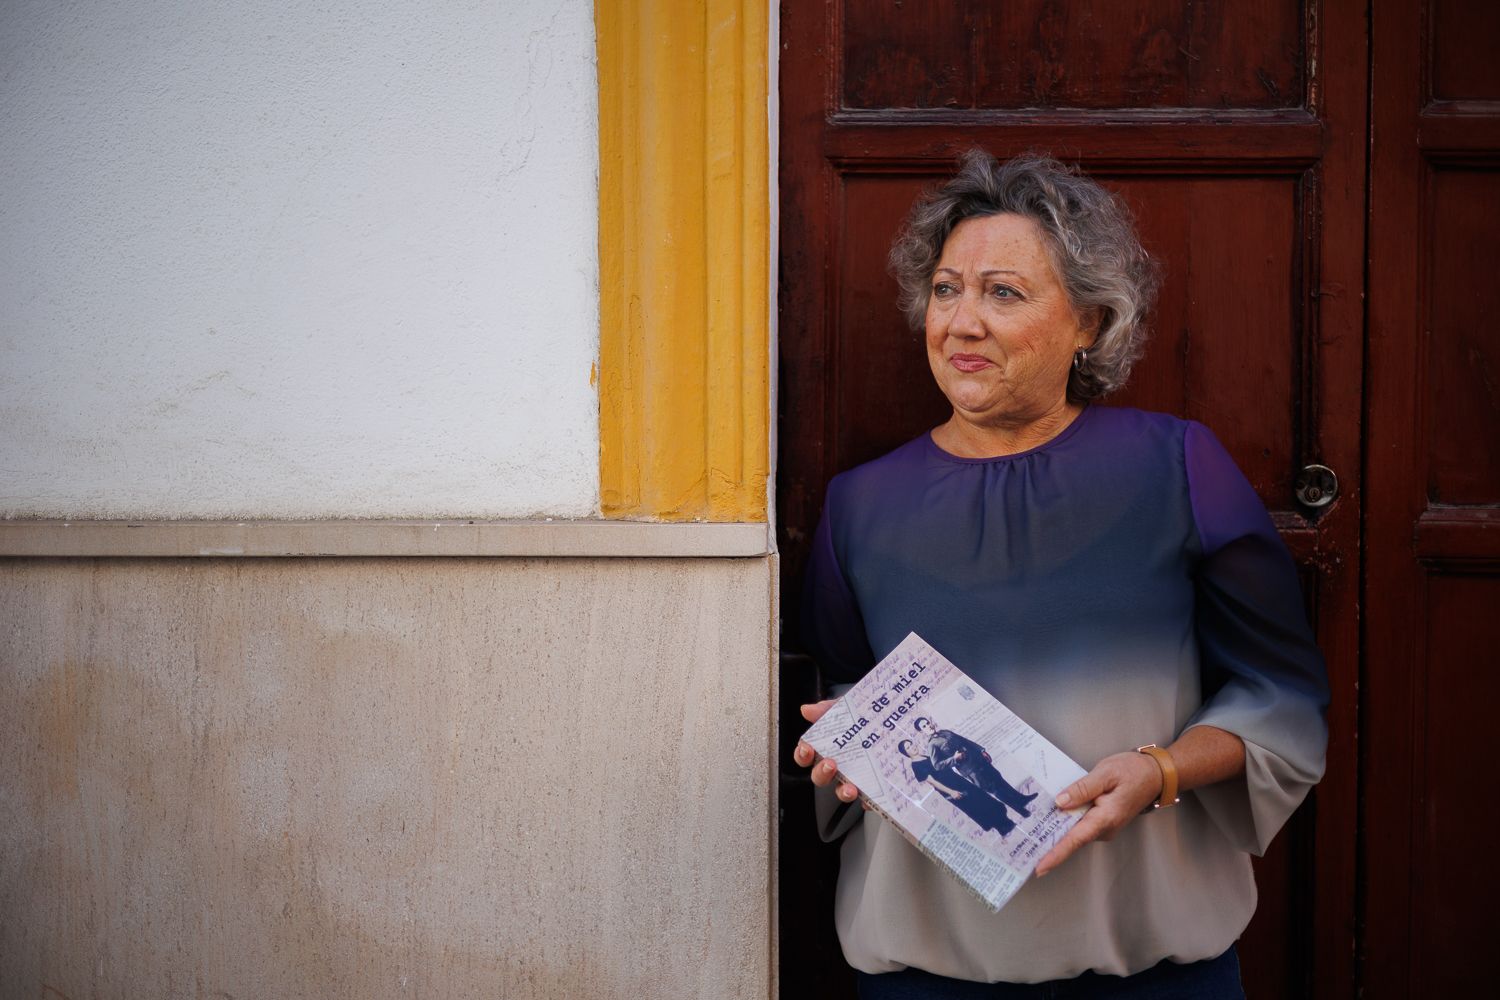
(1045,54)
(1463,65)
(1235,133)
(1226,348)
(1463,341)
(1457,704)
(880,375)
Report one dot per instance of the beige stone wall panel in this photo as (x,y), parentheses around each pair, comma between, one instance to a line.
(385,777)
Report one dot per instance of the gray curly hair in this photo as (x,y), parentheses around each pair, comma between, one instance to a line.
(1089,232)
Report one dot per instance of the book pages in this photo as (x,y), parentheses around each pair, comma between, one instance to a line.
(960,775)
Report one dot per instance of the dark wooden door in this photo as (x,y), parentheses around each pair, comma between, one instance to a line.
(1432,595)
(1236,131)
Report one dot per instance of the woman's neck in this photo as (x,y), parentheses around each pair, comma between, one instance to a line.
(967,438)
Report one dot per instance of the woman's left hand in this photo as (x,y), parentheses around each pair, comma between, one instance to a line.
(1120,787)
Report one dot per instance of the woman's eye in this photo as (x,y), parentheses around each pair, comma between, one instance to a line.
(943,288)
(1004,292)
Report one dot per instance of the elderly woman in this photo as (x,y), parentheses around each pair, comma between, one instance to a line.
(1107,573)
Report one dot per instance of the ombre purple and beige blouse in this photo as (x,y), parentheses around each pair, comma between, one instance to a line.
(1114,587)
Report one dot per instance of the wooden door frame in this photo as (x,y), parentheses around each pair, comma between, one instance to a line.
(1343,89)
(1410,538)
(1392,510)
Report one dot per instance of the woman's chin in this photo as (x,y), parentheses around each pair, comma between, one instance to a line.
(971,392)
(979,407)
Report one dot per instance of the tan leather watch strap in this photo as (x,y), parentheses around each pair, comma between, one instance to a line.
(1168,775)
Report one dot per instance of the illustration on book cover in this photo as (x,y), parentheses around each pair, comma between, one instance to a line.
(964,778)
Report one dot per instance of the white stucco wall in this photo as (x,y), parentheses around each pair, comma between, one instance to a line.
(276,259)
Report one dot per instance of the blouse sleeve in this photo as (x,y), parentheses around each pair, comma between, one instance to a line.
(1263,675)
(833,632)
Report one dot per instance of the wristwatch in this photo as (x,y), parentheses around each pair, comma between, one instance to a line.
(1168,775)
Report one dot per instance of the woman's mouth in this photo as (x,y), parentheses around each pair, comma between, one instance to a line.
(969,362)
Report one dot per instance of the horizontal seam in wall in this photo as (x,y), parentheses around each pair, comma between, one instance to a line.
(352,538)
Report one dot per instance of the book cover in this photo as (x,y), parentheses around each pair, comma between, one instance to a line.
(960,775)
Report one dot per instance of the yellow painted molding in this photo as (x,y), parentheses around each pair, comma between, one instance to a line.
(684,236)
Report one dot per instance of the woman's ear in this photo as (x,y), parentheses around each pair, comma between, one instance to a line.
(1088,326)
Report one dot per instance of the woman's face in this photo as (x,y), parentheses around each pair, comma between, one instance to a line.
(1000,330)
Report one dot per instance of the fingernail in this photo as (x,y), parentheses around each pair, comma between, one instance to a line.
(1064,799)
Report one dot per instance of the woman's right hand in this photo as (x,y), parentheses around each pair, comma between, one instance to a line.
(825,770)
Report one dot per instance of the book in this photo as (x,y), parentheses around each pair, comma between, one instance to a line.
(961,776)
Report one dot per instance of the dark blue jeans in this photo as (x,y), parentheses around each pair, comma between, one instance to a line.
(1214,979)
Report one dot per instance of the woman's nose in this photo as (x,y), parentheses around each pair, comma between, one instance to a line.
(965,322)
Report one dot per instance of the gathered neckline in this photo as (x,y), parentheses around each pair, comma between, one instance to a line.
(1057,439)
